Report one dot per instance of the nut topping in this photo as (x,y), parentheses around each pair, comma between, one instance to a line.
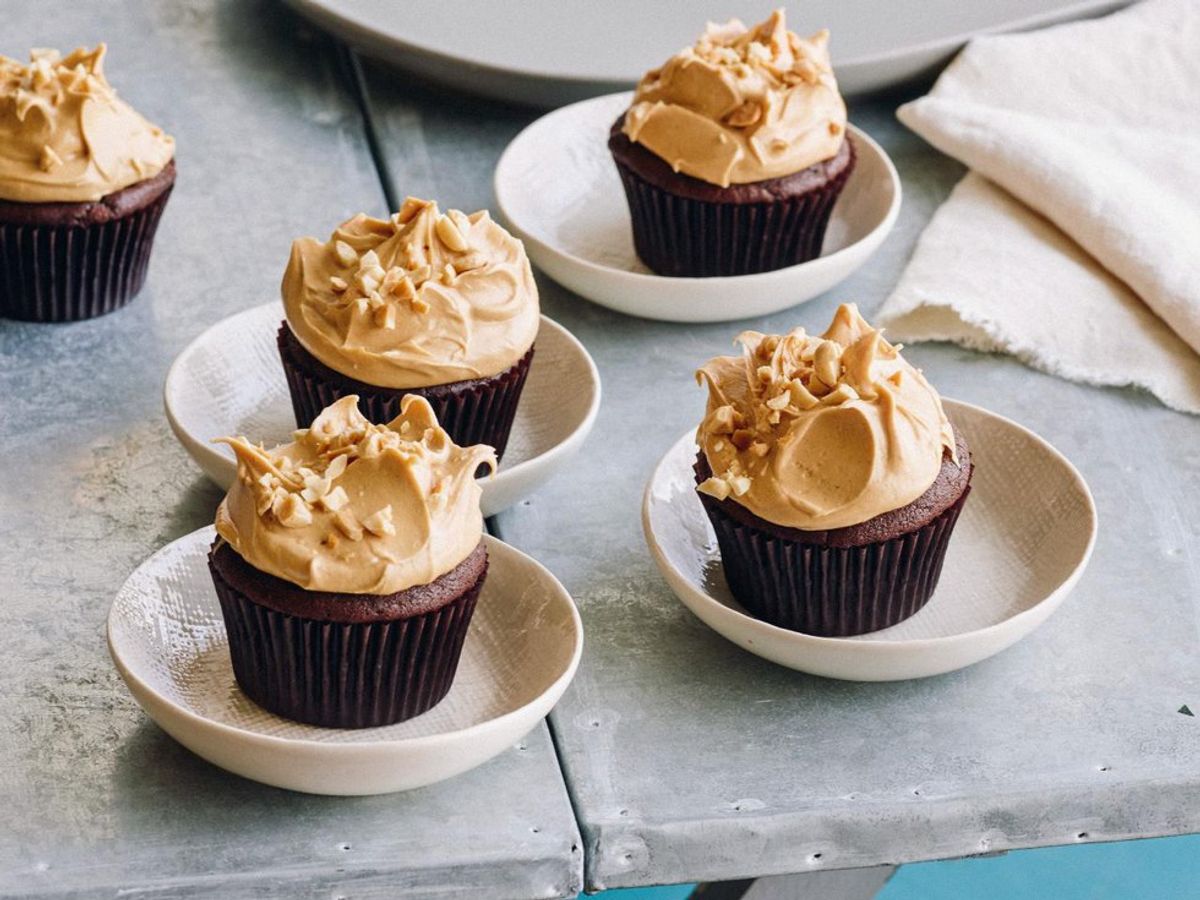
(739,485)
(348,525)
(449,234)
(345,254)
(745,115)
(802,397)
(409,209)
(335,499)
(379,523)
(384,316)
(714,487)
(827,362)
(840,395)
(291,511)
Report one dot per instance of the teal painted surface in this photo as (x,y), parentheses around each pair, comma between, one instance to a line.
(666,892)
(1162,869)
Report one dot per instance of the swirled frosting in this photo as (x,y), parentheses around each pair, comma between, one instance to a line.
(821,432)
(416,300)
(357,508)
(741,105)
(65,136)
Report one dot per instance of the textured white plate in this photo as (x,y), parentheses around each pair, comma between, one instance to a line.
(1022,541)
(168,641)
(548,52)
(557,189)
(229,381)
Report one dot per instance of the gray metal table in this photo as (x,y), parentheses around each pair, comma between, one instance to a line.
(96,799)
(688,759)
(684,757)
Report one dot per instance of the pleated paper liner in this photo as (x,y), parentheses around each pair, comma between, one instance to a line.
(832,591)
(472,412)
(64,273)
(690,238)
(344,675)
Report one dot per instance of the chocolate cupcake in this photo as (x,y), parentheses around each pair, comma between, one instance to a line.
(831,476)
(442,306)
(348,564)
(83,182)
(734,152)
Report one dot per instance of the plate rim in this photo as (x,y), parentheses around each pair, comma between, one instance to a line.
(381,44)
(879,232)
(904,646)
(418,743)
(207,458)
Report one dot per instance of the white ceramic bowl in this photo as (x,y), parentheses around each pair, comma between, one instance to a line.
(557,189)
(229,381)
(168,641)
(1024,537)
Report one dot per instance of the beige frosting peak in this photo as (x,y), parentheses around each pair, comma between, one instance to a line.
(415,300)
(742,105)
(357,508)
(821,432)
(65,136)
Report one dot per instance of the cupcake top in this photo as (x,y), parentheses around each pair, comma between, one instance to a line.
(65,136)
(415,300)
(741,105)
(357,508)
(821,432)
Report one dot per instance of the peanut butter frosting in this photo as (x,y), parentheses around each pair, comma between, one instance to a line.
(357,508)
(821,432)
(65,136)
(415,300)
(741,105)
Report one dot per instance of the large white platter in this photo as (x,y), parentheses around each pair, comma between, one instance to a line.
(558,190)
(549,52)
(1024,537)
(168,641)
(229,381)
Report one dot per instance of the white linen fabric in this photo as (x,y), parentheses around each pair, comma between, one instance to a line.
(1074,243)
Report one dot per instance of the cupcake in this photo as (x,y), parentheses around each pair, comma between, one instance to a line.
(348,564)
(734,152)
(442,306)
(831,476)
(83,182)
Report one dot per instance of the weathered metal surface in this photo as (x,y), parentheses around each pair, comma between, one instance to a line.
(96,799)
(689,759)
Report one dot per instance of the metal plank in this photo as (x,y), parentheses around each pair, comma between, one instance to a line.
(688,759)
(97,800)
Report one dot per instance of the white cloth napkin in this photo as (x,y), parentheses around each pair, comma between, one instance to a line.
(1078,249)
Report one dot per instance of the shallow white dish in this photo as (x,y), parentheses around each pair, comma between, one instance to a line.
(557,189)
(229,381)
(168,641)
(548,52)
(1024,537)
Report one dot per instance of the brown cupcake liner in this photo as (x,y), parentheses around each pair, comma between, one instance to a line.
(344,675)
(691,238)
(64,273)
(480,411)
(832,591)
